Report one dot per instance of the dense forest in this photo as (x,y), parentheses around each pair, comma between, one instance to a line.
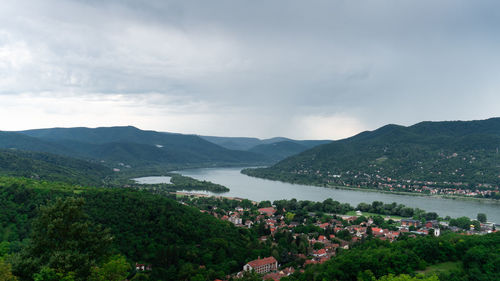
(177,241)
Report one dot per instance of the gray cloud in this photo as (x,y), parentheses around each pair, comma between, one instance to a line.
(259,68)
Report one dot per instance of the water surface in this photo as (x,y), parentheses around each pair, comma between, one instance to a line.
(153,180)
(260,189)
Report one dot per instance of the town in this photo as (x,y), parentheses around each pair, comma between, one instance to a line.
(378,181)
(302,233)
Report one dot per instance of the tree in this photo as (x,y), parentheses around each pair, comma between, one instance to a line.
(140,277)
(4,248)
(405,277)
(481,217)
(369,231)
(64,240)
(49,274)
(431,216)
(477,225)
(318,246)
(5,272)
(114,270)
(250,276)
(462,222)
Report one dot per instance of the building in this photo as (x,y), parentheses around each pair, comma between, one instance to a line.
(267,211)
(410,222)
(262,265)
(319,253)
(142,267)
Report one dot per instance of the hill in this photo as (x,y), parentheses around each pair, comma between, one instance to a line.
(235,143)
(178,241)
(134,148)
(424,157)
(14,140)
(51,167)
(279,150)
(274,149)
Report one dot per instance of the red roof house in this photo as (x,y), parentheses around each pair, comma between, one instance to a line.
(261,265)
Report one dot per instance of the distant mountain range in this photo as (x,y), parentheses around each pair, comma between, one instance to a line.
(274,149)
(131,149)
(450,153)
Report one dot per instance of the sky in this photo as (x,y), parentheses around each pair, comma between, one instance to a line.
(301,69)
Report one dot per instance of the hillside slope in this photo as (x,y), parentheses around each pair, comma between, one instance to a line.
(146,228)
(133,147)
(455,153)
(279,150)
(51,167)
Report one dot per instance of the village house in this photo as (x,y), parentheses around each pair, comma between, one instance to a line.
(235,220)
(262,265)
(142,267)
(267,211)
(410,222)
(320,253)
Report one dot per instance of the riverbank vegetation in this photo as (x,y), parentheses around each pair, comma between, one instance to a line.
(181,183)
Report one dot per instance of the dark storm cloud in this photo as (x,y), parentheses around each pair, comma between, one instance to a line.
(264,68)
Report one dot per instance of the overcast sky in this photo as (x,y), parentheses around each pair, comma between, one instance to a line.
(301,69)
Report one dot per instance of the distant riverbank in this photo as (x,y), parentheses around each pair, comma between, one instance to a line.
(367,189)
(452,197)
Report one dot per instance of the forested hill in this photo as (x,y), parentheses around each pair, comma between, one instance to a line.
(129,147)
(454,153)
(179,242)
(51,167)
(20,141)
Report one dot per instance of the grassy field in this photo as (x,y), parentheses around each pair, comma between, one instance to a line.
(441,267)
(367,214)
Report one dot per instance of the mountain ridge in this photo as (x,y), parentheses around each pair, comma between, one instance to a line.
(129,146)
(461,153)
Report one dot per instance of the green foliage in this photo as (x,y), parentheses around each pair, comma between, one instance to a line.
(49,274)
(406,277)
(481,217)
(301,208)
(250,276)
(462,222)
(6,271)
(52,167)
(176,240)
(482,263)
(116,269)
(64,240)
(318,246)
(186,183)
(140,277)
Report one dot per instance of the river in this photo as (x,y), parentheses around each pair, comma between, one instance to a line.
(260,189)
